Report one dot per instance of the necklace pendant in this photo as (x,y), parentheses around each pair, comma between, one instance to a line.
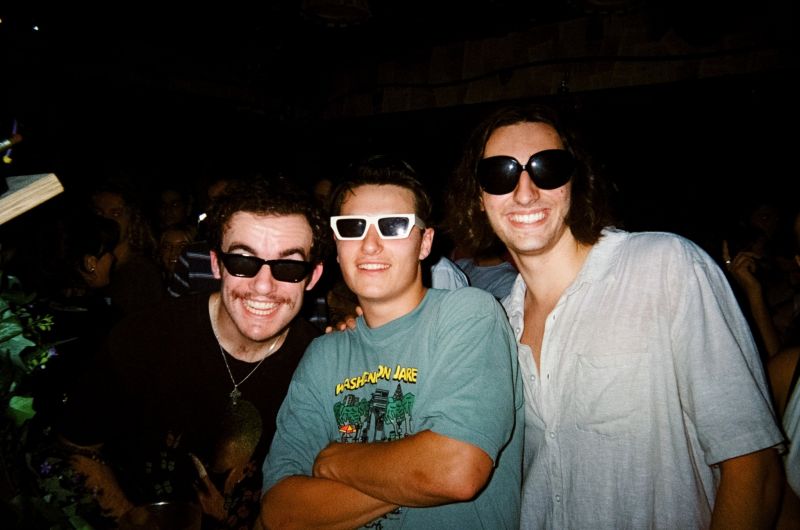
(235,395)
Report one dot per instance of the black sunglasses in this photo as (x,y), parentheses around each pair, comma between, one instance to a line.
(283,270)
(548,169)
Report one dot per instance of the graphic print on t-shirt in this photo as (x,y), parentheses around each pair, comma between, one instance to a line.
(377,409)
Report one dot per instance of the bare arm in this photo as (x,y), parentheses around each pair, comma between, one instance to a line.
(99,478)
(749,491)
(427,469)
(318,503)
(743,269)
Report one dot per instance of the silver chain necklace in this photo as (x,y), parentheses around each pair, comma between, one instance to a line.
(236,393)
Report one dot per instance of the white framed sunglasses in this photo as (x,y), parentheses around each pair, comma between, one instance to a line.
(388,225)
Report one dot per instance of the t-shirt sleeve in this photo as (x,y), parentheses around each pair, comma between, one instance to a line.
(300,424)
(476,372)
(721,379)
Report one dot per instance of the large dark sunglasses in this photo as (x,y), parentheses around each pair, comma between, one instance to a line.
(548,169)
(283,270)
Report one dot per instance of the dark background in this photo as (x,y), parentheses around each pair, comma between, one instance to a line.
(191,94)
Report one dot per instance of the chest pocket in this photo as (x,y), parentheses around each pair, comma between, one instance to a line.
(609,393)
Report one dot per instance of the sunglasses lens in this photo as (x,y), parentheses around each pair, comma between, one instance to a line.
(351,227)
(498,175)
(242,266)
(394,226)
(552,168)
(289,270)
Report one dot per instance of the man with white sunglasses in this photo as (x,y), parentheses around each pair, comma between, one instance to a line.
(413,418)
(646,403)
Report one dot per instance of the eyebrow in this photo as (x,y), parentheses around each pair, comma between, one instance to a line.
(282,254)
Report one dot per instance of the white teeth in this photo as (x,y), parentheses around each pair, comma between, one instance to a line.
(260,308)
(373,266)
(528,218)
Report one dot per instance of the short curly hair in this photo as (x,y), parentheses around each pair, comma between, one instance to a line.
(262,196)
(467,223)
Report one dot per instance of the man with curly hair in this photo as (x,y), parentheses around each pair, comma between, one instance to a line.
(182,403)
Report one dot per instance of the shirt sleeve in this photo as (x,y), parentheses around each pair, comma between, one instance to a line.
(301,429)
(721,379)
(476,371)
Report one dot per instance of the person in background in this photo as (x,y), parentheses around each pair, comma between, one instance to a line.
(490,270)
(192,272)
(646,401)
(137,280)
(175,204)
(171,244)
(770,283)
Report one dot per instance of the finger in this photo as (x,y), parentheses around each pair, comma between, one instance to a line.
(204,485)
(359,311)
(201,469)
(328,329)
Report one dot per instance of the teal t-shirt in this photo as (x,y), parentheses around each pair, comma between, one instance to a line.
(449,366)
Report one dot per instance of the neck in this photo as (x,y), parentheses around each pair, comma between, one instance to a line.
(549,273)
(239,347)
(377,313)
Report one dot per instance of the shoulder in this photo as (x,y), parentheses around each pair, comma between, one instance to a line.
(465,302)
(658,247)
(166,318)
(302,332)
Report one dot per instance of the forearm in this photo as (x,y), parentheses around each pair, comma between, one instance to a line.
(318,503)
(763,321)
(427,469)
(749,491)
(101,481)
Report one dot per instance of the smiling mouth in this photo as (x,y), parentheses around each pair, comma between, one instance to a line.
(260,308)
(529,218)
(373,266)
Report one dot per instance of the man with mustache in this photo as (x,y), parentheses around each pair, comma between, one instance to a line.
(183,400)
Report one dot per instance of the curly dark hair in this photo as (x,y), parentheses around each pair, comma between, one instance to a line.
(262,196)
(467,223)
(383,170)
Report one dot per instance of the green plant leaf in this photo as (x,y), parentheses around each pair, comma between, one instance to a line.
(15,346)
(9,328)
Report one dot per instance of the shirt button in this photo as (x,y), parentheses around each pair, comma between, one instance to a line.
(552,434)
(558,498)
(533,378)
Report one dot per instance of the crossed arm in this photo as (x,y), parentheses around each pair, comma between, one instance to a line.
(353,484)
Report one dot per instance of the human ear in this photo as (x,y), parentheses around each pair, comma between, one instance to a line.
(215,268)
(426,244)
(316,274)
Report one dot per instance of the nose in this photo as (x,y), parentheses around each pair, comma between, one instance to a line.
(263,281)
(372,242)
(526,191)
